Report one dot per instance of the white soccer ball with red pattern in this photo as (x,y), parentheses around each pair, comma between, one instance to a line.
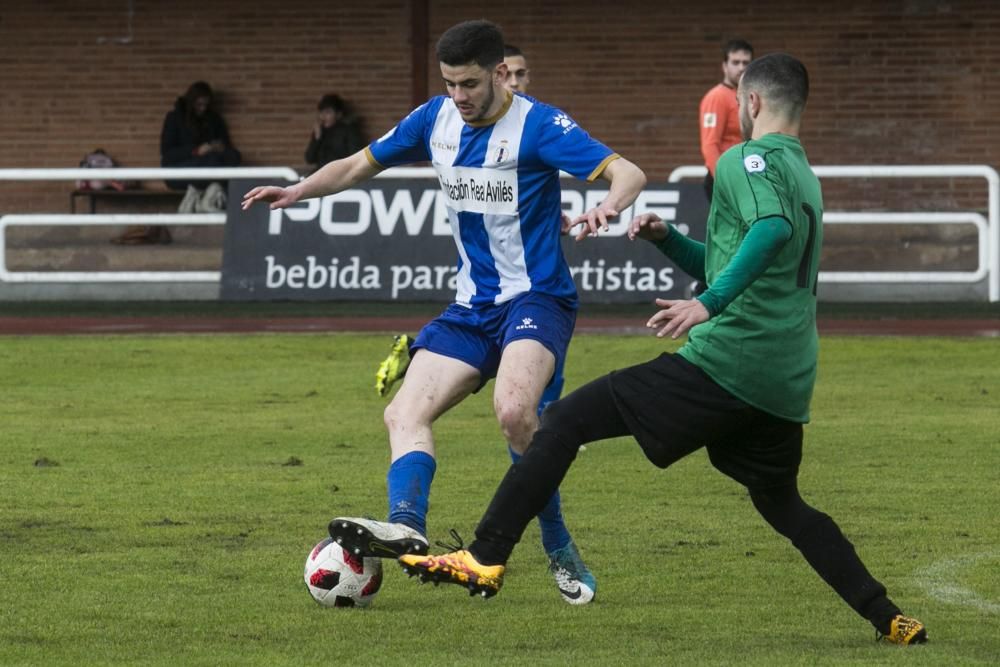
(336,578)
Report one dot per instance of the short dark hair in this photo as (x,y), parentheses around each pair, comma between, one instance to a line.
(478,41)
(332,101)
(780,78)
(511,50)
(736,45)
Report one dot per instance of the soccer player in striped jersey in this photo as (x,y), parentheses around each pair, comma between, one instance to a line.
(498,158)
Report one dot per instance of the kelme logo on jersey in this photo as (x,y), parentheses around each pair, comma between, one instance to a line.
(479,190)
(564,121)
(444,146)
(754,163)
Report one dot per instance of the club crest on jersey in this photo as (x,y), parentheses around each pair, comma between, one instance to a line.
(754,163)
(564,121)
(710,120)
(502,152)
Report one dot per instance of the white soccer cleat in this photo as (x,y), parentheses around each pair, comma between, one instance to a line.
(377,539)
(573,579)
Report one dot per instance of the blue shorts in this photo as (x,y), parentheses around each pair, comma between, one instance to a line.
(479,335)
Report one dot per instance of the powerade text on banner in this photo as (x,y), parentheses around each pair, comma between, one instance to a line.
(390,239)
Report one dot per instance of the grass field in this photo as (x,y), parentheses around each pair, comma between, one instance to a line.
(160,494)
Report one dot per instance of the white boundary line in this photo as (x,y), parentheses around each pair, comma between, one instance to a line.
(940,581)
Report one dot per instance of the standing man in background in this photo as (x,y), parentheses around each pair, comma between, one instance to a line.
(719,112)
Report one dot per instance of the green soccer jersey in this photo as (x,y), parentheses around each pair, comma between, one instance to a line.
(763,346)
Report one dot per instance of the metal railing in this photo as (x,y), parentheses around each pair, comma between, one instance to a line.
(90,219)
(989,240)
(988,229)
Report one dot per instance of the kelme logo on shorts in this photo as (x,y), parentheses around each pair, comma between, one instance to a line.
(526,323)
(754,163)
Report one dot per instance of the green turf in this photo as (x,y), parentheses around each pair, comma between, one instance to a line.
(160,494)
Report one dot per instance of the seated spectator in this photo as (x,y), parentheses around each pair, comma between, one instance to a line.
(194,135)
(336,134)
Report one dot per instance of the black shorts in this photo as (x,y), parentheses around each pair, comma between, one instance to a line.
(674,408)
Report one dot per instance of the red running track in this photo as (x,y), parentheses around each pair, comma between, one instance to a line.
(24,326)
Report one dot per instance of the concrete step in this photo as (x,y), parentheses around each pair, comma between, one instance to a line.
(92,249)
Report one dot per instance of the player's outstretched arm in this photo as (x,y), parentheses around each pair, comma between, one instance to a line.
(334,177)
(627,181)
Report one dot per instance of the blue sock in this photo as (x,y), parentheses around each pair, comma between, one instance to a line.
(554,532)
(409,484)
(552,392)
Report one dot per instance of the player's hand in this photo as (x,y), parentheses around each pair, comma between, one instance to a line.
(566,225)
(278,197)
(593,220)
(677,317)
(647,226)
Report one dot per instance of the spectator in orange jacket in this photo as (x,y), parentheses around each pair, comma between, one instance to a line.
(718,113)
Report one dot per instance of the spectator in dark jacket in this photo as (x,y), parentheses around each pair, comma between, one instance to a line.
(336,134)
(194,135)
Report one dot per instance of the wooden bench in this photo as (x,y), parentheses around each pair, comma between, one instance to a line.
(134,194)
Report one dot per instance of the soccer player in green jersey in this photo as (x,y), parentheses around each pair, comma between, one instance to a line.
(741,385)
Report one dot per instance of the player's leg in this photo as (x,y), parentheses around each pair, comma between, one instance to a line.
(833,557)
(585,415)
(536,334)
(525,366)
(765,457)
(449,352)
(433,384)
(667,404)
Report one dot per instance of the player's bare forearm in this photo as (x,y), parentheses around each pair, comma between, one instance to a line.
(337,176)
(627,181)
(334,177)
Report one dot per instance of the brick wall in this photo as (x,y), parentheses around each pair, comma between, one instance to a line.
(898,82)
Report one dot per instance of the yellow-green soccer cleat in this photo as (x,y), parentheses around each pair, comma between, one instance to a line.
(457,567)
(905,630)
(394,366)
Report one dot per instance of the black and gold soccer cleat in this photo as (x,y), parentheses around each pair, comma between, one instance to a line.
(456,567)
(904,630)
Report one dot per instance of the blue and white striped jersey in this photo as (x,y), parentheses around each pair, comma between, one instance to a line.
(500,180)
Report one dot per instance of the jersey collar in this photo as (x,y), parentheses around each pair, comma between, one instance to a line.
(498,115)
